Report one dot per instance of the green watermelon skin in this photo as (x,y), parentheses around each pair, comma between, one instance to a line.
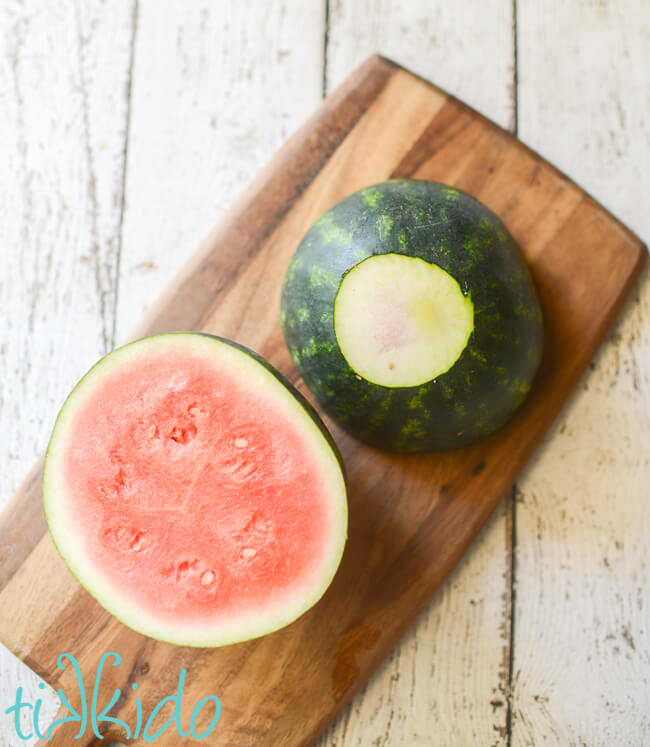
(451,229)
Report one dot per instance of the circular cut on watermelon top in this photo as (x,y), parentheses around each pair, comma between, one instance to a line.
(401,321)
(194,492)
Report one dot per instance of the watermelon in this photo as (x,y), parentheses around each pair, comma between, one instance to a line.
(194,492)
(412,317)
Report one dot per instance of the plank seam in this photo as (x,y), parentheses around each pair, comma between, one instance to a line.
(515,70)
(326,42)
(91,181)
(125,156)
(513,500)
(512,562)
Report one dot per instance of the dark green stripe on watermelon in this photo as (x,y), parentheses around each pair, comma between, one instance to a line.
(451,229)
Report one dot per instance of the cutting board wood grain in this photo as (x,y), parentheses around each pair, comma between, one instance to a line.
(411,517)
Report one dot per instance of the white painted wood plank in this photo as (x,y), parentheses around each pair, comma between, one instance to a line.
(217,88)
(63,85)
(582,621)
(463,46)
(446,682)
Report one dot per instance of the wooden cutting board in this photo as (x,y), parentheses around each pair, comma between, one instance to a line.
(411,517)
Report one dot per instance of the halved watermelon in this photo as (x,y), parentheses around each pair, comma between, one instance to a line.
(194,492)
(411,315)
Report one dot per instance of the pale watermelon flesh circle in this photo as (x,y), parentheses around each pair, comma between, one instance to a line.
(192,494)
(401,321)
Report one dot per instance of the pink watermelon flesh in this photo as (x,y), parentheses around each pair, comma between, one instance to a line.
(195,493)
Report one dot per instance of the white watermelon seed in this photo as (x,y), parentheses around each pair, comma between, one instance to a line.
(207,577)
